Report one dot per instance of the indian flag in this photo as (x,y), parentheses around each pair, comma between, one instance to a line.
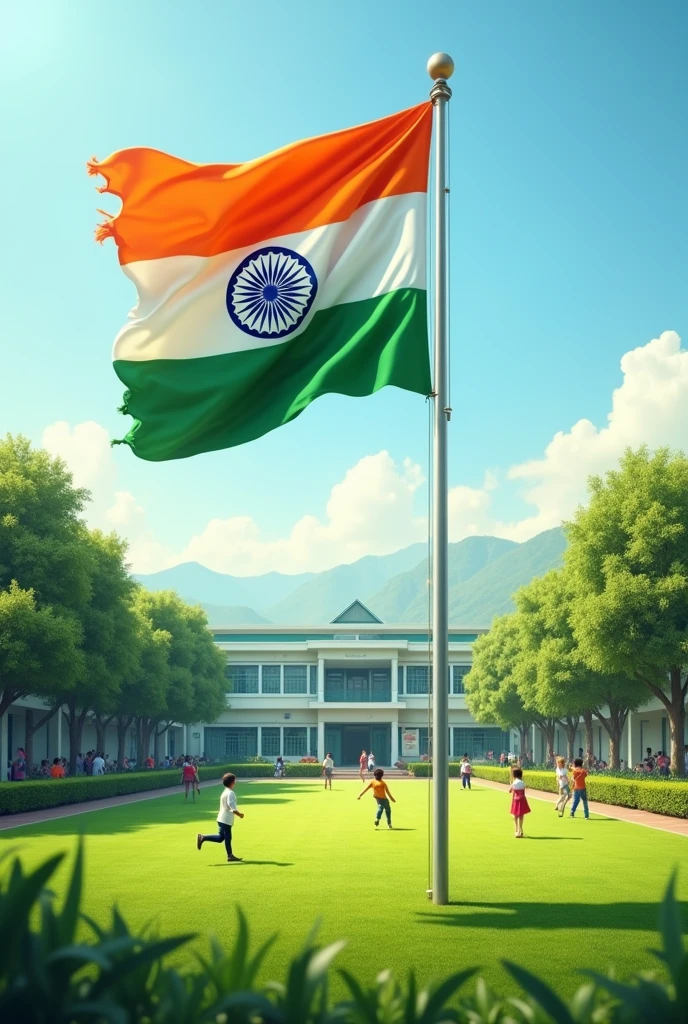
(265,284)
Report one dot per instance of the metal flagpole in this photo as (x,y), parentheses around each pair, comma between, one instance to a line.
(440,68)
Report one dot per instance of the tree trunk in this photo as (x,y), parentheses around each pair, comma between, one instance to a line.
(614,726)
(101,725)
(523,731)
(589,741)
(122,726)
(75,722)
(571,728)
(546,727)
(31,727)
(146,727)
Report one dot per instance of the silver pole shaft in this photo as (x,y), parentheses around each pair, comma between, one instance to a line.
(440,95)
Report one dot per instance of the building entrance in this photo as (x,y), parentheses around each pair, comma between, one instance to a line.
(346,742)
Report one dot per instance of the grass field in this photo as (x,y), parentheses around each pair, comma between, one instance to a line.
(573,894)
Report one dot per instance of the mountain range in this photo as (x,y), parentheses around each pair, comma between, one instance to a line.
(484,573)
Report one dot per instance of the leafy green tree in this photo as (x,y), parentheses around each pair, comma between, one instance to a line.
(42,552)
(196,683)
(109,637)
(555,680)
(492,693)
(628,555)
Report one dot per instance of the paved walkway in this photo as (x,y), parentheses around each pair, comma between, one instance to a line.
(679,826)
(663,822)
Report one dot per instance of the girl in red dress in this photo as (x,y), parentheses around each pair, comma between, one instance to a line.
(519,803)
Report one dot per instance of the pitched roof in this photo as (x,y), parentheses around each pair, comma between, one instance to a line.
(357,613)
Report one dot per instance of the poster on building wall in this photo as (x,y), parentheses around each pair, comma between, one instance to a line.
(410,742)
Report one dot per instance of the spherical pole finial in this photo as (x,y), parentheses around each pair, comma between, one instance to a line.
(440,65)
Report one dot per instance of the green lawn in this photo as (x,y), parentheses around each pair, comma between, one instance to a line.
(309,853)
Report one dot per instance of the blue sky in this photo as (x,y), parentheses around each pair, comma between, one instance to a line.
(569,228)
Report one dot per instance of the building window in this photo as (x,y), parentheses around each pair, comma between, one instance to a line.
(477,742)
(270,741)
(313,676)
(295,741)
(242,678)
(313,733)
(232,745)
(400,678)
(295,679)
(459,673)
(271,678)
(416,679)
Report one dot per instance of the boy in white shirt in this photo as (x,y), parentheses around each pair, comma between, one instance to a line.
(328,765)
(225,819)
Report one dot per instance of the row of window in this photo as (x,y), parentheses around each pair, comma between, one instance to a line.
(242,741)
(303,679)
(474,742)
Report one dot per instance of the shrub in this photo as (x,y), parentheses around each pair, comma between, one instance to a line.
(49,972)
(302,769)
(17,797)
(660,797)
(421,769)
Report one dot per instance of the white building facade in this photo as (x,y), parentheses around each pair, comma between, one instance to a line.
(354,685)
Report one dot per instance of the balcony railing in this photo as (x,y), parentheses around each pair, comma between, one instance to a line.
(346,696)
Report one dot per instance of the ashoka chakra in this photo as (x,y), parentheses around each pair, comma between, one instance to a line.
(271,291)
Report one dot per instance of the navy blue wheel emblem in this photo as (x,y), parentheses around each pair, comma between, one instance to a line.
(271,291)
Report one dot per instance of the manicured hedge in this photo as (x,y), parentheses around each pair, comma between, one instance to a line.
(421,769)
(660,797)
(40,794)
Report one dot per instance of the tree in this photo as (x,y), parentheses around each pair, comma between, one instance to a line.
(628,555)
(196,682)
(492,694)
(555,679)
(44,573)
(109,637)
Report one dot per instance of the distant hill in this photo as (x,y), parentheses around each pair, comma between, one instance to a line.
(489,592)
(484,573)
(404,598)
(195,582)
(328,593)
(233,615)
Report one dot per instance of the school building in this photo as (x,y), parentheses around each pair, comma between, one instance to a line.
(355,684)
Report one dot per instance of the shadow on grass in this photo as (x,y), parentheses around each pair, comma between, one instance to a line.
(159,811)
(515,916)
(556,838)
(261,863)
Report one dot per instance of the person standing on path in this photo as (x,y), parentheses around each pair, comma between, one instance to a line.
(519,802)
(98,765)
(363,764)
(580,792)
(466,772)
(189,777)
(225,819)
(563,786)
(382,795)
(328,765)
(371,762)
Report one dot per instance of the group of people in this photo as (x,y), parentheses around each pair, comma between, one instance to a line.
(94,762)
(569,777)
(366,763)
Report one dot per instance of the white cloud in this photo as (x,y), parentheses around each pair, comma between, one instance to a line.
(373,509)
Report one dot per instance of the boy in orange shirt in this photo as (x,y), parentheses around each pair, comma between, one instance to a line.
(57,771)
(579,790)
(382,795)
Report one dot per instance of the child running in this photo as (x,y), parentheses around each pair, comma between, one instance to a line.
(225,819)
(328,765)
(190,778)
(580,792)
(382,795)
(519,803)
(563,786)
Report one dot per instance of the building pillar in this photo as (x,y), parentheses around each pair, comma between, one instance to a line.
(167,740)
(59,733)
(395,684)
(395,740)
(260,740)
(321,683)
(321,732)
(629,726)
